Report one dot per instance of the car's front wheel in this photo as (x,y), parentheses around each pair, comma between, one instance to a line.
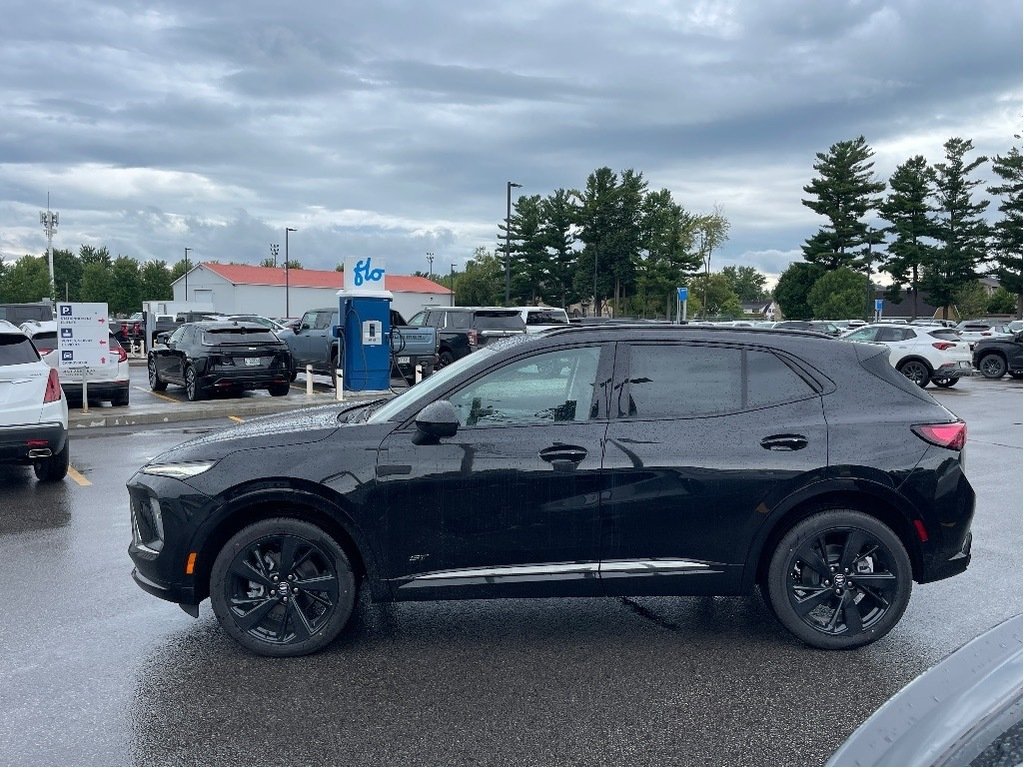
(917,372)
(282,587)
(54,468)
(992,366)
(839,579)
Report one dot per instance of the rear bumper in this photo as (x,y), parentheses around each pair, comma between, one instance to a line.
(954,370)
(244,379)
(100,390)
(16,443)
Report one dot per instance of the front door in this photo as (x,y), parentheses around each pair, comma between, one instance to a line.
(510,504)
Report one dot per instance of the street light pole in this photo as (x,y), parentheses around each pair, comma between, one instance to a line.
(287,313)
(187,250)
(430,265)
(508,239)
(451,283)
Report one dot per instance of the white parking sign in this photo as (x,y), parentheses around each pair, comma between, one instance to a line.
(82,334)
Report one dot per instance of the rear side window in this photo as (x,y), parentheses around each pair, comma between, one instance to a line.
(684,381)
(494,320)
(544,317)
(16,349)
(458,320)
(47,340)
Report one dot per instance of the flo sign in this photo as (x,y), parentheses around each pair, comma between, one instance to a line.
(82,335)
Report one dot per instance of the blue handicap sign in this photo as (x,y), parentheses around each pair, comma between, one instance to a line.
(878,304)
(683,292)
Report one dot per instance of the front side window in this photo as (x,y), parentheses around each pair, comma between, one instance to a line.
(864,334)
(684,381)
(308,320)
(176,336)
(545,388)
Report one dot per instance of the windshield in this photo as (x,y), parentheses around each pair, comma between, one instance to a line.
(237,336)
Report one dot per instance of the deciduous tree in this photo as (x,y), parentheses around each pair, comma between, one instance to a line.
(838,294)
(793,287)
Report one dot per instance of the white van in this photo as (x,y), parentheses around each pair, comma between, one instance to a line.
(539,319)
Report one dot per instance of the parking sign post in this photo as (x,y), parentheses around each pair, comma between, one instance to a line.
(83,335)
(682,294)
(878,309)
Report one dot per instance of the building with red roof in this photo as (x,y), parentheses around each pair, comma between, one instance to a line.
(234,289)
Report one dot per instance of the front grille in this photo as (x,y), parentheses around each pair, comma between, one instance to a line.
(147,524)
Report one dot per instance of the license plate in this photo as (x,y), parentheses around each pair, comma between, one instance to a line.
(252,361)
(403,360)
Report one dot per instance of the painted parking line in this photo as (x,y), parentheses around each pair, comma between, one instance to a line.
(78,477)
(237,419)
(157,394)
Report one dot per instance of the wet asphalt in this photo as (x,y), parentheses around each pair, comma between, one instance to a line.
(94,671)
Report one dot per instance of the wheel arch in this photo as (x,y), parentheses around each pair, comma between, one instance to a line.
(918,359)
(870,498)
(246,507)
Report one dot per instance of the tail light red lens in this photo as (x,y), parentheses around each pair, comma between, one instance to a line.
(952,436)
(474,338)
(52,393)
(943,345)
(122,355)
(43,350)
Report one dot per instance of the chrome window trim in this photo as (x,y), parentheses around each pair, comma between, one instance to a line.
(653,566)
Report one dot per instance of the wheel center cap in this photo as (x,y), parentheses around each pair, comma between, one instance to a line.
(282,588)
(840,580)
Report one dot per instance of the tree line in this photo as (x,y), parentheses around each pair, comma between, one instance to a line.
(934,240)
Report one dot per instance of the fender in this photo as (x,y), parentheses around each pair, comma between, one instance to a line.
(221,524)
(918,358)
(838,490)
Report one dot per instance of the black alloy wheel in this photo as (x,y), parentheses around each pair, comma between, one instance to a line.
(992,366)
(445,358)
(282,587)
(917,371)
(155,382)
(192,389)
(839,579)
(946,381)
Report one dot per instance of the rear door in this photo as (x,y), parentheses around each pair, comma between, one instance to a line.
(703,441)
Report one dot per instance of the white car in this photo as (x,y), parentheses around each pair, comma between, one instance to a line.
(108,381)
(973,331)
(923,354)
(540,319)
(33,409)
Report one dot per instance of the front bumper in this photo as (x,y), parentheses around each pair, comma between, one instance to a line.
(16,443)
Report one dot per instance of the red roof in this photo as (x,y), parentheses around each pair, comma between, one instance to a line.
(242,274)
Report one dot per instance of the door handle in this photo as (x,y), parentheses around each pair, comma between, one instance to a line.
(784,442)
(563,457)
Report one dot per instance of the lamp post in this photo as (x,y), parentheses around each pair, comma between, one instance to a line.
(187,250)
(508,238)
(430,265)
(274,250)
(451,283)
(287,313)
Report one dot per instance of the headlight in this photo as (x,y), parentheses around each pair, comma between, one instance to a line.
(179,470)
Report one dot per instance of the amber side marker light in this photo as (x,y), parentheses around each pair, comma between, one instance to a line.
(952,435)
(190,564)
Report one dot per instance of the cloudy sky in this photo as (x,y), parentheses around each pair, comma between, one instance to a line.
(390,128)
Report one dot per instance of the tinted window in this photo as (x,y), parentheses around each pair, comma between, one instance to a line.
(177,335)
(238,336)
(15,349)
(544,388)
(494,320)
(47,340)
(945,333)
(544,317)
(308,319)
(323,320)
(864,334)
(684,381)
(458,320)
(894,334)
(418,319)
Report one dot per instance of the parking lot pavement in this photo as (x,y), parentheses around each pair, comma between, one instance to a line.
(171,405)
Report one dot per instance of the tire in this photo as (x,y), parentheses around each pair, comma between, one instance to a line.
(946,382)
(992,366)
(193,391)
(55,468)
(293,375)
(250,593)
(917,371)
(155,382)
(278,390)
(811,563)
(121,398)
(445,358)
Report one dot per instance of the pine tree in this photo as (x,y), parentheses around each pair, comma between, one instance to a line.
(1008,231)
(844,191)
(960,229)
(908,212)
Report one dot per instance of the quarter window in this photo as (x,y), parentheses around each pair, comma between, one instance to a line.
(545,388)
(683,381)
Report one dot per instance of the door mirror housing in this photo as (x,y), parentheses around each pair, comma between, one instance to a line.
(163,337)
(437,420)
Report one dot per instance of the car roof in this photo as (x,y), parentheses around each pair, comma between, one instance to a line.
(6,326)
(32,327)
(672,331)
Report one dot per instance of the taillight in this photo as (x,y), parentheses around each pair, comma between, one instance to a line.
(952,436)
(943,345)
(122,354)
(474,338)
(44,350)
(52,393)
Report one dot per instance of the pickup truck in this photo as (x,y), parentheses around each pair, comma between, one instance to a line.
(312,343)
(462,330)
(999,355)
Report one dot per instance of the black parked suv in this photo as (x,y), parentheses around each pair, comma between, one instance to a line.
(998,356)
(219,356)
(616,460)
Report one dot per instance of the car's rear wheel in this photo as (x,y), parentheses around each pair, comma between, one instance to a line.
(192,389)
(155,382)
(839,579)
(278,390)
(445,358)
(917,371)
(282,587)
(992,366)
(946,381)
(54,468)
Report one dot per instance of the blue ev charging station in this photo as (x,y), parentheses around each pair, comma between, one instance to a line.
(364,327)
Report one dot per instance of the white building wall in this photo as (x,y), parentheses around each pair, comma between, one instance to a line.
(408,304)
(204,286)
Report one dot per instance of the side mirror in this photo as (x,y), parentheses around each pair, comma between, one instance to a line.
(163,337)
(303,327)
(437,420)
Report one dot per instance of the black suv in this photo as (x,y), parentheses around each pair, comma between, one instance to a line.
(1000,355)
(616,460)
(462,330)
(220,355)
